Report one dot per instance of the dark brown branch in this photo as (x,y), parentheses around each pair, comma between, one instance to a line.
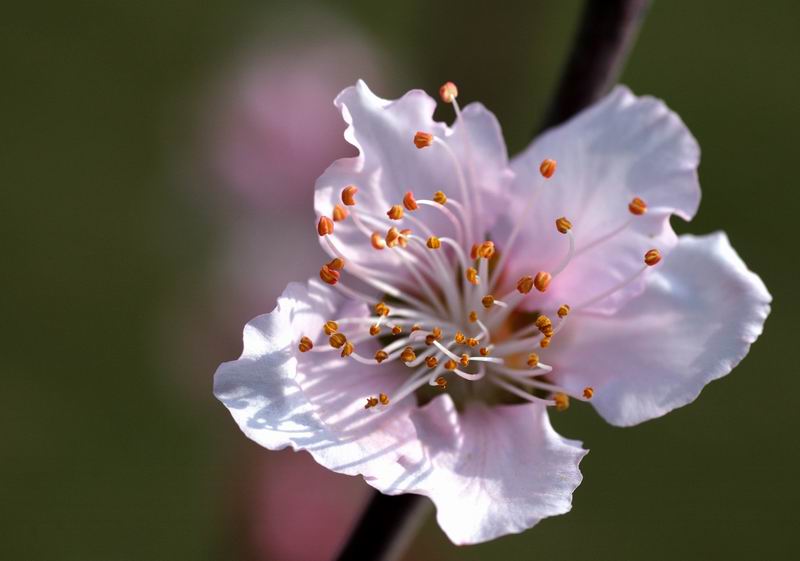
(607,31)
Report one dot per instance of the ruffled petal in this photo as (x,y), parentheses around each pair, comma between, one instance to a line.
(473,172)
(492,471)
(622,147)
(696,319)
(314,401)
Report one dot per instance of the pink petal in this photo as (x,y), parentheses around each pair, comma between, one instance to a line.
(696,319)
(492,471)
(622,147)
(315,401)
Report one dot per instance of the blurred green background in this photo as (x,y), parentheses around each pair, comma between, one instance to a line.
(112,445)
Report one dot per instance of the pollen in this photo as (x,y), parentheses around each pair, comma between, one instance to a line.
(397,330)
(562,401)
(395,213)
(380,356)
(382,309)
(440,197)
(337,340)
(563,225)
(545,342)
(330,327)
(487,301)
(329,274)
(383,398)
(441,381)
(339,213)
(472,275)
(588,392)
(410,202)
(431,362)
(392,237)
(374,329)
(652,257)
(305,344)
(542,280)
(324,226)
(563,310)
(472,342)
(486,250)
(547,168)
(434,242)
(533,360)
(448,92)
(408,355)
(459,337)
(337,264)
(423,139)
(348,349)
(377,240)
(525,284)
(371,402)
(464,360)
(349,195)
(637,206)
(473,316)
(450,365)
(484,351)
(544,324)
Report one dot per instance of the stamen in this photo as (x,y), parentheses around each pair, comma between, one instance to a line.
(374,329)
(377,240)
(305,344)
(380,356)
(337,340)
(441,381)
(450,365)
(395,213)
(486,250)
(563,310)
(324,226)
(337,264)
(562,401)
(652,257)
(382,309)
(349,194)
(488,301)
(431,362)
(339,213)
(330,327)
(448,92)
(440,197)
(329,275)
(563,225)
(542,280)
(433,242)
(588,392)
(409,202)
(397,330)
(637,206)
(423,139)
(371,402)
(525,284)
(472,275)
(408,355)
(383,398)
(533,360)
(547,168)
(348,349)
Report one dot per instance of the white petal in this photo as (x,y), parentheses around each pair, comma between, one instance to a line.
(700,312)
(315,401)
(389,165)
(622,147)
(492,471)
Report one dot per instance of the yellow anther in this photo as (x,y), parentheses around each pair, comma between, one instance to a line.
(547,168)
(382,309)
(371,402)
(416,327)
(374,329)
(543,322)
(337,340)
(588,392)
(484,351)
(437,332)
(441,381)
(486,250)
(330,327)
(348,349)
(383,398)
(324,226)
(450,365)
(339,213)
(562,401)
(434,242)
(472,275)
(464,360)
(329,274)
(473,316)
(397,330)
(403,240)
(459,337)
(423,139)
(652,257)
(431,362)
(533,360)
(487,301)
(563,310)
(392,237)
(349,195)
(410,202)
(408,355)
(563,225)
(525,284)
(440,197)
(305,344)
(637,206)
(472,342)
(396,212)
(377,240)
(542,280)
(337,264)
(448,92)
(380,356)
(545,342)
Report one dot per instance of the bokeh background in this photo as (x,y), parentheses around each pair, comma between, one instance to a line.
(157,163)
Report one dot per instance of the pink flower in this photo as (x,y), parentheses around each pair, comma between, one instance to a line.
(450,318)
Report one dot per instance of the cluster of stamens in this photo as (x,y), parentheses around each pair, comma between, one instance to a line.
(441,322)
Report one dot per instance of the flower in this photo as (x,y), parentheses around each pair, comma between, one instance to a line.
(466,294)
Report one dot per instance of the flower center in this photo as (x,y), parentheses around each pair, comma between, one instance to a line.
(444,321)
